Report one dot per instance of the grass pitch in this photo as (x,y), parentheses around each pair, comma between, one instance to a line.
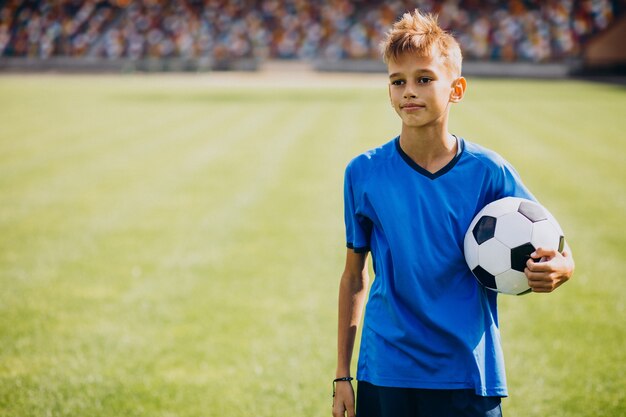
(171,246)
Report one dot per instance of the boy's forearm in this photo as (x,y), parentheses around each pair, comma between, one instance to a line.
(352,292)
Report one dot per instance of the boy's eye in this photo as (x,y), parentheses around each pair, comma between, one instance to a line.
(424,80)
(397,82)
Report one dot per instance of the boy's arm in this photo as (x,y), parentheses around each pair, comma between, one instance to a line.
(352,292)
(554,269)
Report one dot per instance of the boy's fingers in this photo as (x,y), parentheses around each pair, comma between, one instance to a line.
(548,286)
(338,410)
(544,280)
(544,253)
(544,264)
(538,266)
(342,411)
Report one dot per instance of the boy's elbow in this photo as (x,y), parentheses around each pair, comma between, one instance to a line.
(355,281)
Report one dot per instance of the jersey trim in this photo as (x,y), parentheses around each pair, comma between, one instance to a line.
(363,249)
(426,173)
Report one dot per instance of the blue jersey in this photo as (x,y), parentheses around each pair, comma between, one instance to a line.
(428,323)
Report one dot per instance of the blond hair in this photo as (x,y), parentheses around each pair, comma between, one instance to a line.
(421,35)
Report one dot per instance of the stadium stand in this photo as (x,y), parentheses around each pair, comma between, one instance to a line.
(221,31)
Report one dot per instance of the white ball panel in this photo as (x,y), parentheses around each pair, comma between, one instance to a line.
(494,257)
(501,207)
(556,224)
(545,235)
(470,248)
(513,229)
(512,282)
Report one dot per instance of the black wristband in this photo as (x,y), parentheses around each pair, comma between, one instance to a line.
(345,378)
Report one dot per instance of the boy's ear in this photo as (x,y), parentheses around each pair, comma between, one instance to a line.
(458,89)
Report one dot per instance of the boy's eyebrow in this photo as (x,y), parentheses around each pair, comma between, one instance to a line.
(418,71)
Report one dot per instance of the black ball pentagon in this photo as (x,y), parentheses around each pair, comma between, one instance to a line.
(485,277)
(532,211)
(485,229)
(520,255)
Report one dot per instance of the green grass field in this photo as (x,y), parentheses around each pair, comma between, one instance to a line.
(170,246)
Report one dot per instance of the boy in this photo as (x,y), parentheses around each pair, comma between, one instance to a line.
(430,342)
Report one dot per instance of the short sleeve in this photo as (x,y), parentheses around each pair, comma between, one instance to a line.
(358,226)
(511,184)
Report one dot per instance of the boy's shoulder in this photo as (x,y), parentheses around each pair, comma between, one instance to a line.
(373,157)
(483,155)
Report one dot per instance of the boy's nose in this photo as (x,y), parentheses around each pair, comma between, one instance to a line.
(409,92)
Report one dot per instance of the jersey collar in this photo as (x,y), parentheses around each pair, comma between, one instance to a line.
(426,173)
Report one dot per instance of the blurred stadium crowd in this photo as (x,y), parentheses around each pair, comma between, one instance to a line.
(509,30)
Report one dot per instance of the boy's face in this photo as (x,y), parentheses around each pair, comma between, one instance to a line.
(421,88)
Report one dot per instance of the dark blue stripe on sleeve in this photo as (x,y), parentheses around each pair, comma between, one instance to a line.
(363,249)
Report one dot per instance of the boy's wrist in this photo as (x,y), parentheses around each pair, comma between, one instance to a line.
(340,379)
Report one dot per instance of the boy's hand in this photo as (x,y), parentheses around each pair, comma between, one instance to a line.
(343,403)
(551,271)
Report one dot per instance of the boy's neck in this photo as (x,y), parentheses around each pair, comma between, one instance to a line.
(431,149)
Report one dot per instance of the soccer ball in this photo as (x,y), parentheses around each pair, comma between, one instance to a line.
(500,239)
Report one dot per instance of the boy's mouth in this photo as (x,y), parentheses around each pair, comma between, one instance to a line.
(412,106)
